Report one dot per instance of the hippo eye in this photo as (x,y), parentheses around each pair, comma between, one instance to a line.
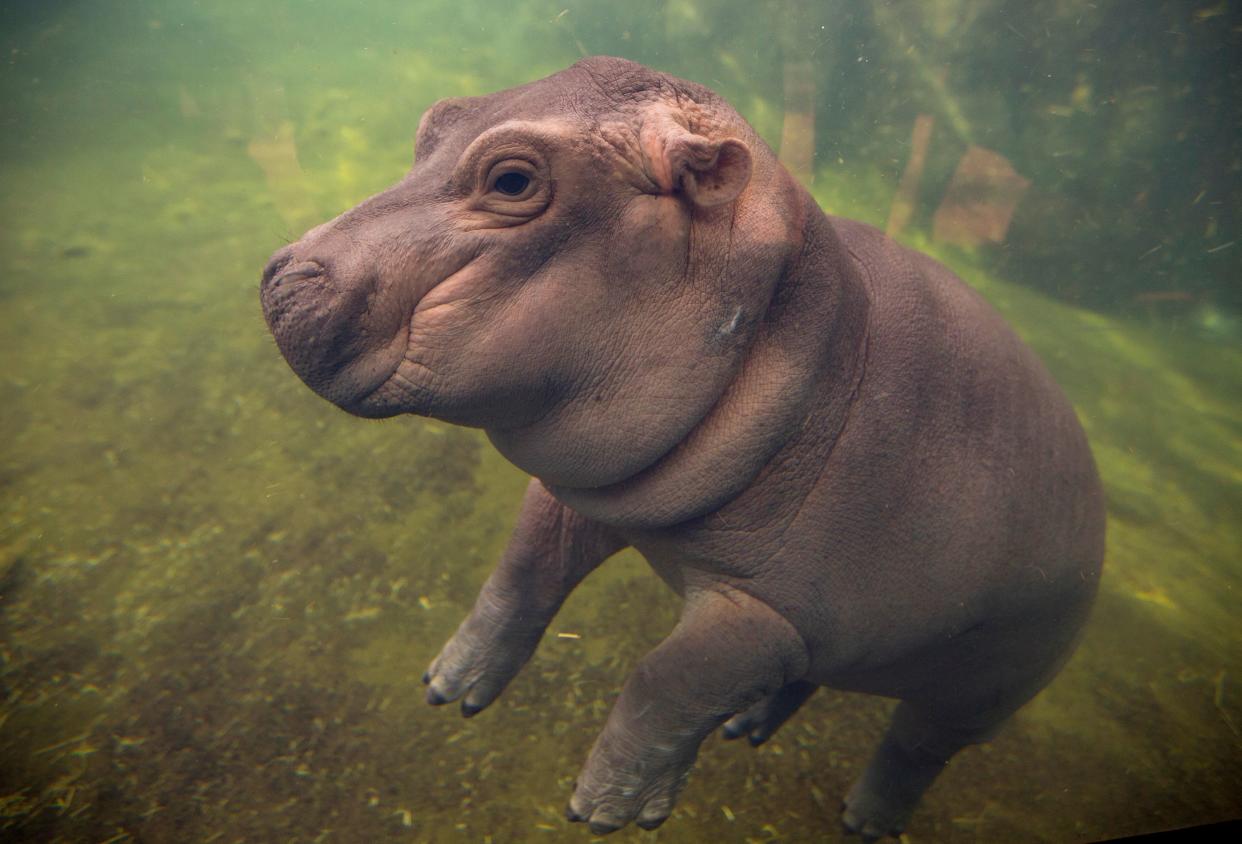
(512,179)
(514,191)
(512,184)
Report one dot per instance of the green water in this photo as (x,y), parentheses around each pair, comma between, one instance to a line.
(217,592)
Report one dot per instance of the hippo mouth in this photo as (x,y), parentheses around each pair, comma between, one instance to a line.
(379,391)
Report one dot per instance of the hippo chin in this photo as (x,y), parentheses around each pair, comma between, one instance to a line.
(837,453)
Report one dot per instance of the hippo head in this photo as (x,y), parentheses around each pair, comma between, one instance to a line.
(576,265)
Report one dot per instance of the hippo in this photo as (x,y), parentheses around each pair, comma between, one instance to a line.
(853,473)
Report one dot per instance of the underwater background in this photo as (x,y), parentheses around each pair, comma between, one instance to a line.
(218,592)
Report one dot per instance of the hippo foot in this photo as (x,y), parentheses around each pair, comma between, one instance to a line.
(871,817)
(616,788)
(760,721)
(478,662)
(881,802)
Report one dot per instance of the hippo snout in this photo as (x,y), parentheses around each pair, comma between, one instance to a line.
(321,317)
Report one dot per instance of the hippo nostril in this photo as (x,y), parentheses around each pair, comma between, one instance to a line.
(278,262)
(283,269)
(305,269)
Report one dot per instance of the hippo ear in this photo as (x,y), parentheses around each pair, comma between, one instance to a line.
(435,122)
(709,172)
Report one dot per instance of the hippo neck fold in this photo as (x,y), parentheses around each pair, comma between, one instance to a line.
(813,330)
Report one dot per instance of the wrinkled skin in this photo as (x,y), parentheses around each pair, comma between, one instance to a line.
(848,466)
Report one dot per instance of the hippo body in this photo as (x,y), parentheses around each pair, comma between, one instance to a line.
(839,455)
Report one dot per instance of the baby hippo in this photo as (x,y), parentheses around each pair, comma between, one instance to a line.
(851,470)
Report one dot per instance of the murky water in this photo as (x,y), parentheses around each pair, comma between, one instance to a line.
(217,592)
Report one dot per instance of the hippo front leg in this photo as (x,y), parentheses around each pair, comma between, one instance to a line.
(551,550)
(728,651)
(764,718)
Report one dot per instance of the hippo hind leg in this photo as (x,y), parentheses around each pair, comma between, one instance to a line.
(914,750)
(992,673)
